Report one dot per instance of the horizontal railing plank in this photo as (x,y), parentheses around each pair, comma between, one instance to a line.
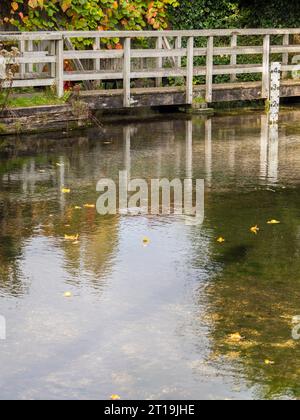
(92,75)
(277,49)
(56,35)
(154,73)
(30,36)
(30,83)
(32,60)
(147,53)
(182,33)
(93,54)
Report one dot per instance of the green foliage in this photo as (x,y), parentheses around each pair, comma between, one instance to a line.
(86,15)
(270,13)
(205,14)
(214,14)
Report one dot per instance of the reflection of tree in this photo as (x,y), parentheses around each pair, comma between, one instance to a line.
(32,201)
(20,222)
(11,243)
(98,238)
(31,204)
(257,289)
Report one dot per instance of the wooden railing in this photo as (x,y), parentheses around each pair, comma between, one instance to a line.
(46,66)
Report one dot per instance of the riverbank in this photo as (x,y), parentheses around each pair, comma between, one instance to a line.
(39,113)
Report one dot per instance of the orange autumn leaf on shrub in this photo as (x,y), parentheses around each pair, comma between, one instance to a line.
(14,6)
(90,15)
(33,4)
(66,4)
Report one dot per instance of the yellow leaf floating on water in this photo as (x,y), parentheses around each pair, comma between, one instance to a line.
(71,237)
(146,241)
(269,362)
(236,337)
(115,397)
(89,206)
(273,222)
(221,240)
(254,229)
(78,208)
(68,295)
(65,190)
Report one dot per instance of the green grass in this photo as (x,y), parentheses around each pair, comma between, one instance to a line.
(25,100)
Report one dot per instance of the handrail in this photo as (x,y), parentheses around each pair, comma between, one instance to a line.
(150,34)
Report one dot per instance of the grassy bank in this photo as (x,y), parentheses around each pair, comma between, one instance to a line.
(30,98)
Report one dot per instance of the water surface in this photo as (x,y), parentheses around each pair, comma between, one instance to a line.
(152,322)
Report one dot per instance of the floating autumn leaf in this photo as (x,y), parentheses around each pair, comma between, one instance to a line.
(254,229)
(236,337)
(78,208)
(89,206)
(115,397)
(269,362)
(71,237)
(146,241)
(65,190)
(67,294)
(273,222)
(221,240)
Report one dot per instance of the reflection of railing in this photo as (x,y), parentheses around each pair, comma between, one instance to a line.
(168,45)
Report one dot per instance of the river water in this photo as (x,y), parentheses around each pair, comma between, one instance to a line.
(155,320)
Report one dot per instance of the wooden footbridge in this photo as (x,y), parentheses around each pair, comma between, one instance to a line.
(153,68)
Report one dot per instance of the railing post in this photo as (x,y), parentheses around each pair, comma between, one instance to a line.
(60,68)
(53,54)
(30,49)
(285,56)
(209,69)
(126,72)
(178,46)
(190,71)
(233,60)
(266,68)
(22,48)
(97,61)
(159,61)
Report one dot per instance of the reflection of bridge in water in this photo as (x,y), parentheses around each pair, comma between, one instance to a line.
(201,151)
(268,151)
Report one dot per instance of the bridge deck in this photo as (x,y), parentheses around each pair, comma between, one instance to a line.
(171,96)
